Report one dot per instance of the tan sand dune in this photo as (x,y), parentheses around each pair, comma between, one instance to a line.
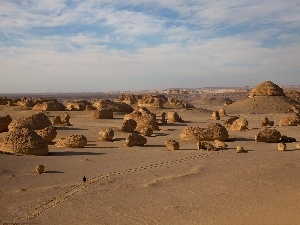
(150,184)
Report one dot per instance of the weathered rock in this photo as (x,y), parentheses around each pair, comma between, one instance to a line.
(29,102)
(281,146)
(220,144)
(79,105)
(292,120)
(267,88)
(229,121)
(152,100)
(215,115)
(48,133)
(264,121)
(174,117)
(135,139)
(36,122)
(73,141)
(129,125)
(4,123)
(39,169)
(114,106)
(268,135)
(64,121)
(203,145)
(103,114)
(53,105)
(298,146)
(222,112)
(239,125)
(172,144)
(163,120)
(147,131)
(214,131)
(144,118)
(240,149)
(107,134)
(24,141)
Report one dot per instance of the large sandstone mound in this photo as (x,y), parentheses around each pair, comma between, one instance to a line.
(36,122)
(24,141)
(267,97)
(4,123)
(73,141)
(79,105)
(114,106)
(53,105)
(152,101)
(214,131)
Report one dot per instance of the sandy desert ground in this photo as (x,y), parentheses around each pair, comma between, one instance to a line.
(151,185)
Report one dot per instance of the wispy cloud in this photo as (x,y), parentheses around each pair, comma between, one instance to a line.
(94,44)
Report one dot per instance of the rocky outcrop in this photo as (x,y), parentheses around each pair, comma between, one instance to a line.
(103,114)
(281,146)
(53,105)
(129,125)
(144,118)
(129,99)
(220,144)
(147,131)
(229,121)
(265,121)
(214,131)
(292,120)
(152,101)
(73,141)
(29,102)
(4,123)
(267,88)
(79,105)
(203,145)
(39,169)
(24,141)
(48,133)
(268,135)
(240,149)
(114,106)
(240,124)
(172,144)
(35,122)
(222,112)
(180,103)
(174,117)
(135,140)
(64,121)
(107,134)
(215,115)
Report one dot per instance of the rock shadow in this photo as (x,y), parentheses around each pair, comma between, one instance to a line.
(53,171)
(73,153)
(70,128)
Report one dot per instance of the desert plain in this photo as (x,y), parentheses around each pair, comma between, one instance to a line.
(153,185)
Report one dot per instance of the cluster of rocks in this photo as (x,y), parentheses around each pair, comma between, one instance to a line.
(173,116)
(135,139)
(73,141)
(103,114)
(62,121)
(107,134)
(114,106)
(79,105)
(51,105)
(265,121)
(292,120)
(172,144)
(143,118)
(180,103)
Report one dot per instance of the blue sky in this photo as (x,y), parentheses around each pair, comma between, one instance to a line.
(104,45)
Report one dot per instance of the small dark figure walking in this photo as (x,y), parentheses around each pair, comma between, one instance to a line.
(84,179)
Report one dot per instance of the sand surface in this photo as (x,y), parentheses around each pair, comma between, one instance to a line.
(151,185)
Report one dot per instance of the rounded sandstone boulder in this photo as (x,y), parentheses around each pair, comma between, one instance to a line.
(24,141)
(73,141)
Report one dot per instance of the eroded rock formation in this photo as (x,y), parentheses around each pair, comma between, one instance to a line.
(73,141)
(24,141)
(214,131)
(135,140)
